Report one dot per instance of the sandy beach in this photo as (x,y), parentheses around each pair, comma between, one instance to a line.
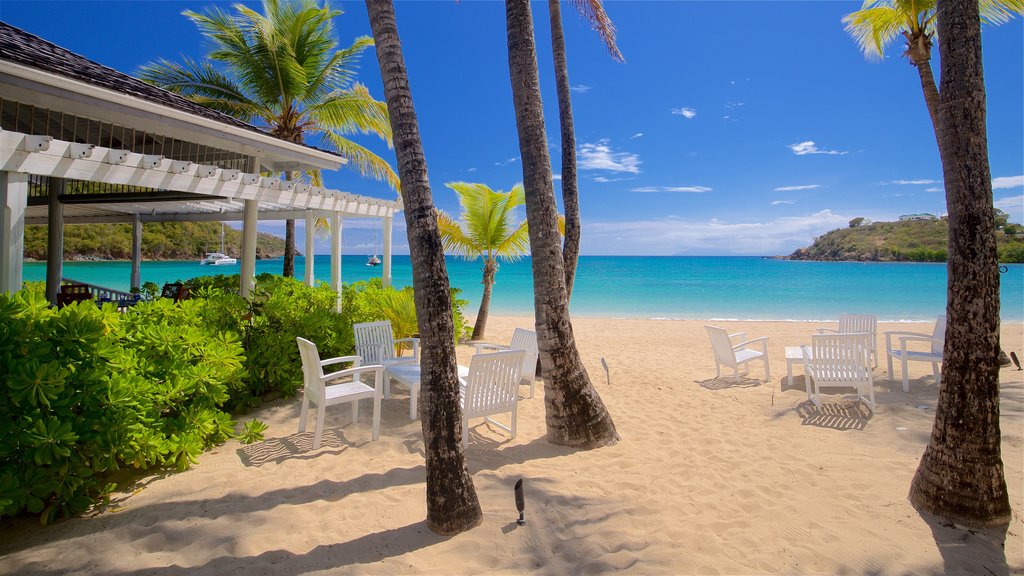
(710,477)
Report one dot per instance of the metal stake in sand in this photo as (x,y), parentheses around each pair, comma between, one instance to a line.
(520,502)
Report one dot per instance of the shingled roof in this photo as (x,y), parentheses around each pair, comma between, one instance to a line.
(20,47)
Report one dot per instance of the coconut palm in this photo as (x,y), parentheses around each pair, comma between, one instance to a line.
(452,504)
(283,68)
(593,11)
(487,232)
(575,415)
(960,476)
(879,22)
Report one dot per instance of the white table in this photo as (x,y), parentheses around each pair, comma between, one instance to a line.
(795,355)
(408,374)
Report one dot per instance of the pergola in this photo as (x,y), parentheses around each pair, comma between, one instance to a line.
(82,143)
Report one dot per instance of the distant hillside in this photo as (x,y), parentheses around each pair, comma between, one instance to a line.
(914,241)
(160,241)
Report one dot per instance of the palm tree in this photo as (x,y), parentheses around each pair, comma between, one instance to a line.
(878,22)
(593,11)
(487,232)
(283,68)
(452,504)
(575,414)
(960,476)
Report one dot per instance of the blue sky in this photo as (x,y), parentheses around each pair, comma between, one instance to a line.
(732,127)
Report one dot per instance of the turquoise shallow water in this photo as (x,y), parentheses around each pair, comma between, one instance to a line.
(651,287)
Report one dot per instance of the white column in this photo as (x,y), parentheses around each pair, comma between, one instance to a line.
(249,225)
(336,256)
(136,277)
(310,228)
(388,221)
(13,200)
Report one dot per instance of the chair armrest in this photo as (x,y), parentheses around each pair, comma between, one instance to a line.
(339,359)
(889,334)
(763,340)
(905,339)
(415,346)
(483,345)
(823,330)
(356,371)
(737,335)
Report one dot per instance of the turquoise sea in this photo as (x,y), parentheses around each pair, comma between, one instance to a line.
(669,287)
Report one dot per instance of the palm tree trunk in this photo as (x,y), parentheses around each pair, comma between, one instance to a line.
(919,52)
(490,268)
(960,477)
(452,504)
(570,193)
(289,249)
(575,414)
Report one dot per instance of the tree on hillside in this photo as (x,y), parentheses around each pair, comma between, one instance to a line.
(879,22)
(593,11)
(486,232)
(960,476)
(283,68)
(575,414)
(452,504)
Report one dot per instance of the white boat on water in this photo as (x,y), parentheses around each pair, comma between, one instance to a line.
(218,259)
(373,261)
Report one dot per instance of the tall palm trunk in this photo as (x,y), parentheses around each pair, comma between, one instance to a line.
(960,477)
(575,414)
(289,249)
(490,268)
(570,193)
(919,52)
(452,504)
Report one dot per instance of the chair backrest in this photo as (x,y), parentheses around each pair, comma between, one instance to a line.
(858,323)
(939,333)
(493,381)
(838,358)
(312,371)
(526,340)
(375,341)
(722,345)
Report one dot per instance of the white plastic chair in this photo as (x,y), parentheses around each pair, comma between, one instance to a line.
(840,361)
(489,388)
(318,388)
(735,355)
(522,339)
(858,323)
(934,353)
(376,343)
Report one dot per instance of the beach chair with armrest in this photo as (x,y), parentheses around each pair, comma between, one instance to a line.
(490,387)
(522,339)
(840,361)
(858,323)
(337,387)
(376,344)
(739,354)
(901,350)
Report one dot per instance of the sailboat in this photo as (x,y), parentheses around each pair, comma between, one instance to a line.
(374,260)
(218,258)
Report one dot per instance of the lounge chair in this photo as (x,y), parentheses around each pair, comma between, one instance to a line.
(490,388)
(858,323)
(735,355)
(329,389)
(522,339)
(900,350)
(376,343)
(840,361)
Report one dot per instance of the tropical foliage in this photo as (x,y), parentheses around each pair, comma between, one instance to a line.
(486,231)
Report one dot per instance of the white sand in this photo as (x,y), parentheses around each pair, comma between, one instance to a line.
(709,478)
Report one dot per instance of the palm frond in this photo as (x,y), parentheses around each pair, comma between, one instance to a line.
(593,11)
(874,28)
(362,160)
(999,11)
(454,239)
(350,112)
(515,245)
(202,83)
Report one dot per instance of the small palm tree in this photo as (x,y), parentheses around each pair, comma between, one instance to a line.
(487,232)
(283,68)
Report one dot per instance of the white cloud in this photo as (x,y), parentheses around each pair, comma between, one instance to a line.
(637,135)
(1010,203)
(580,88)
(801,187)
(556,176)
(667,236)
(809,147)
(781,202)
(1007,182)
(471,170)
(506,162)
(694,189)
(685,112)
(733,104)
(599,156)
(934,190)
(604,180)
(921,182)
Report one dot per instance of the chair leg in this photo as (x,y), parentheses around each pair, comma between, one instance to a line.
(302,415)
(767,370)
(465,432)
(889,358)
(376,419)
(414,395)
(871,396)
(355,411)
(319,429)
(937,373)
(906,382)
(514,420)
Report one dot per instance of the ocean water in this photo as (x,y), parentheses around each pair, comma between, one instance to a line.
(666,287)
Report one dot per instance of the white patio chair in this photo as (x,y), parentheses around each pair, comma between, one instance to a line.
(858,323)
(840,361)
(376,343)
(491,387)
(522,339)
(900,350)
(327,389)
(735,355)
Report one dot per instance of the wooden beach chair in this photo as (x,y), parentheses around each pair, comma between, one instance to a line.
(736,355)
(840,361)
(858,323)
(522,339)
(490,387)
(900,350)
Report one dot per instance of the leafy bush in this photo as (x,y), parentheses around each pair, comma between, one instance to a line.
(85,391)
